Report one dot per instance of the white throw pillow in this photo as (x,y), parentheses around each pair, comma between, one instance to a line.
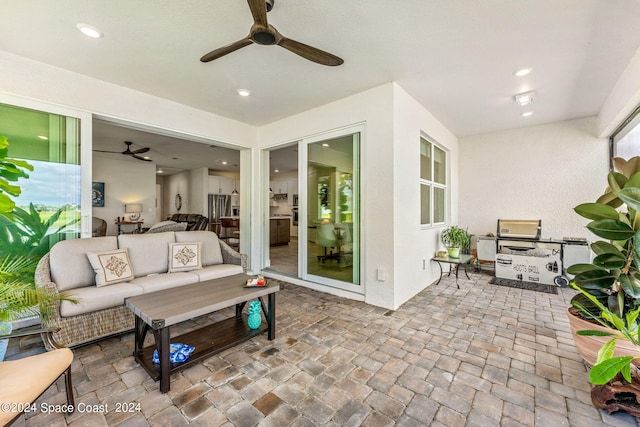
(111,266)
(185,256)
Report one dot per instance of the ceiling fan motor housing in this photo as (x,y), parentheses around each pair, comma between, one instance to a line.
(269,4)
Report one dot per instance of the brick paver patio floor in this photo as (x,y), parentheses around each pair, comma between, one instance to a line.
(481,355)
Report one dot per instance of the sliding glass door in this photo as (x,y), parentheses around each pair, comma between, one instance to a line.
(332,212)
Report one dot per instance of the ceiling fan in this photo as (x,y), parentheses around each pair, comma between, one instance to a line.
(263,33)
(128,152)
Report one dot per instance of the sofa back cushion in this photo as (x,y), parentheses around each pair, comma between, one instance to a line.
(149,253)
(70,267)
(211,252)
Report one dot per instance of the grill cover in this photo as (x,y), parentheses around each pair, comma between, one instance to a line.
(519,229)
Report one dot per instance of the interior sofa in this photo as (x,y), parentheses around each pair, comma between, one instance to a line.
(100,311)
(194,221)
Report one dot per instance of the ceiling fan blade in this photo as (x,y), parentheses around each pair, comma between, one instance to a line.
(141,150)
(224,50)
(140,158)
(104,151)
(309,52)
(259,12)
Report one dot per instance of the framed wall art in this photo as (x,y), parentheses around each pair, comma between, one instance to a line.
(97,194)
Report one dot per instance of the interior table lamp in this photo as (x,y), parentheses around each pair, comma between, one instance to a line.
(134,209)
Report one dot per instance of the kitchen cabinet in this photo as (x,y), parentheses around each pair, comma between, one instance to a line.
(279,186)
(279,231)
(220,185)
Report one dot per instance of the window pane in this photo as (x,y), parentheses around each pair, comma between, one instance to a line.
(47,208)
(425,204)
(425,159)
(439,166)
(438,205)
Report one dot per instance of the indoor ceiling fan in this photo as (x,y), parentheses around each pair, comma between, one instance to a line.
(265,34)
(128,152)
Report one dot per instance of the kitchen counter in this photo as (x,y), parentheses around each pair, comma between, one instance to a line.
(279,230)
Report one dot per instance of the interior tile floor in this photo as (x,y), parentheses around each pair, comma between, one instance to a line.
(284,259)
(481,355)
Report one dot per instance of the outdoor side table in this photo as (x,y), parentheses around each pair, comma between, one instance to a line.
(454,264)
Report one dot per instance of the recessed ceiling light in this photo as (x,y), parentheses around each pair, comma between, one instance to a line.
(244,92)
(159,171)
(44,138)
(89,31)
(277,170)
(146,157)
(522,71)
(224,162)
(325,145)
(524,98)
(527,114)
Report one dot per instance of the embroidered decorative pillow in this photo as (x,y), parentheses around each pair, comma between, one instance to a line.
(184,256)
(111,266)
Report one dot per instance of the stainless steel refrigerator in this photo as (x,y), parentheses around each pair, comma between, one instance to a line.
(219,206)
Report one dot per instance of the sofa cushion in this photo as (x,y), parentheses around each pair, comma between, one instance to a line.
(184,256)
(91,298)
(149,253)
(111,267)
(211,252)
(158,282)
(70,267)
(217,271)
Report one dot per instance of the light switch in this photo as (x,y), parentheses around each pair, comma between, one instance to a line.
(382,274)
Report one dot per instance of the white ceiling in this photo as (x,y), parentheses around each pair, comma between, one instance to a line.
(455,57)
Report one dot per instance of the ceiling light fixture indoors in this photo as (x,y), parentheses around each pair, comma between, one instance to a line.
(89,31)
(244,92)
(520,72)
(525,98)
(527,114)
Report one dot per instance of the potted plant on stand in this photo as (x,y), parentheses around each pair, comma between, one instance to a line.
(455,238)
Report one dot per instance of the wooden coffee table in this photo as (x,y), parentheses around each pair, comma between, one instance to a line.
(158,311)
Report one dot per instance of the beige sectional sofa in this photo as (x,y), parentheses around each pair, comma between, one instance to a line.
(100,311)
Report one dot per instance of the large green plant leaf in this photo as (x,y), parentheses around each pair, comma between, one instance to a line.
(616,181)
(610,229)
(6,204)
(631,284)
(601,247)
(594,279)
(608,198)
(582,268)
(596,211)
(634,181)
(631,196)
(610,261)
(603,372)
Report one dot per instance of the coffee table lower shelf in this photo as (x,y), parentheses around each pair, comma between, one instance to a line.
(208,340)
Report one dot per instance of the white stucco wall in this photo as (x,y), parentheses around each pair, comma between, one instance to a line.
(415,245)
(125,182)
(374,108)
(31,79)
(538,172)
(622,100)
